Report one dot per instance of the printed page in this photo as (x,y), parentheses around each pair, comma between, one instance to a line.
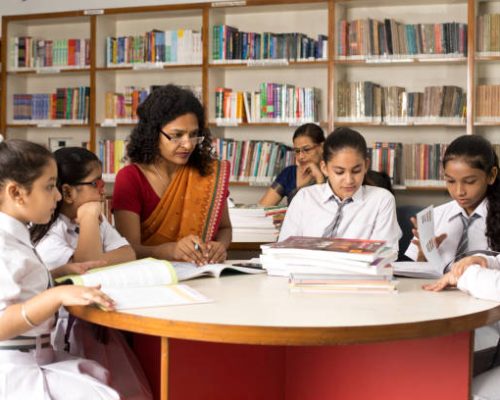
(425,223)
(138,273)
(155,296)
(187,270)
(411,269)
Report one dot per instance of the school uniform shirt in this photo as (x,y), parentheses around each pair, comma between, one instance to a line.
(41,373)
(59,244)
(370,215)
(482,283)
(447,220)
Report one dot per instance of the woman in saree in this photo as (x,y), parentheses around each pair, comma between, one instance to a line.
(170,201)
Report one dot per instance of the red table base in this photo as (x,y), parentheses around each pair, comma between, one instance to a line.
(434,368)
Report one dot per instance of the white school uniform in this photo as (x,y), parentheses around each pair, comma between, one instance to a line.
(59,244)
(371,214)
(57,248)
(447,220)
(41,373)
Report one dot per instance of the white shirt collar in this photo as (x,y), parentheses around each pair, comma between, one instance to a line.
(327,193)
(481,210)
(15,228)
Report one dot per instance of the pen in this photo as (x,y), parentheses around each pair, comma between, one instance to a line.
(196,247)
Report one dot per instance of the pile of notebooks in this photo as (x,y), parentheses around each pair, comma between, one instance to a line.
(325,265)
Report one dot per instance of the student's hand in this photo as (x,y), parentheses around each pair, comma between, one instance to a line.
(460,266)
(77,268)
(437,240)
(91,210)
(191,249)
(71,295)
(216,252)
(448,279)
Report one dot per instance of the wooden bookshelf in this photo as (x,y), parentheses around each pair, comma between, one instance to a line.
(310,17)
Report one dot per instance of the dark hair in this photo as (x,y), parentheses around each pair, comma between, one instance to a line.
(22,162)
(378,178)
(478,153)
(312,131)
(74,164)
(341,138)
(163,105)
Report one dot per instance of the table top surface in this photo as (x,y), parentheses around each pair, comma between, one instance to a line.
(257,309)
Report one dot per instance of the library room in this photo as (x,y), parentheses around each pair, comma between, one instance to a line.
(250,199)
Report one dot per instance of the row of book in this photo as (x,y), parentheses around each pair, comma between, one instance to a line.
(112,154)
(365,38)
(274,102)
(488,33)
(181,46)
(487,102)
(29,52)
(323,265)
(369,102)
(229,43)
(68,104)
(254,161)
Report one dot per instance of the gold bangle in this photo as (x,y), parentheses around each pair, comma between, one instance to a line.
(25,317)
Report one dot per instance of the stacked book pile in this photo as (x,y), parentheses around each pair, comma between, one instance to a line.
(331,264)
(252,223)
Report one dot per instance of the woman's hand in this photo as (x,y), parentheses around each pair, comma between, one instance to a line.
(308,173)
(71,295)
(191,249)
(448,279)
(77,268)
(216,252)
(437,240)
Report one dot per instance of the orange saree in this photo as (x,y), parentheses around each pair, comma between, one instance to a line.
(191,205)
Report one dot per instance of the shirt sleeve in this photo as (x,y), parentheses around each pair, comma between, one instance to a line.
(10,287)
(386,226)
(111,239)
(54,251)
(291,225)
(126,191)
(482,283)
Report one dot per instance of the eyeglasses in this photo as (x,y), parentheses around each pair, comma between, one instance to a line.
(178,140)
(306,149)
(97,183)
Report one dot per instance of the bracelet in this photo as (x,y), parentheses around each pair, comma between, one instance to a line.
(25,317)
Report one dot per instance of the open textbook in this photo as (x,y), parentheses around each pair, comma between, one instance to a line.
(150,282)
(425,223)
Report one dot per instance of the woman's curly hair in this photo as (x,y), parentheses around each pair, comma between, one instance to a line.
(478,153)
(163,105)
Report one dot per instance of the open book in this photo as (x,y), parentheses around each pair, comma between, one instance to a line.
(187,270)
(422,270)
(141,283)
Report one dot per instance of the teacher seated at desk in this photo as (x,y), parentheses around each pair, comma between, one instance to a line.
(170,202)
(308,146)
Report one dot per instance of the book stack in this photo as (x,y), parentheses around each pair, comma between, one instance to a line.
(342,283)
(368,260)
(488,38)
(252,223)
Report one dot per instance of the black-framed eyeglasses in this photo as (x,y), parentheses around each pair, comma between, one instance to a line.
(198,139)
(96,183)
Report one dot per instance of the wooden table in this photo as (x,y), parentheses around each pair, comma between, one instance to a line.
(259,341)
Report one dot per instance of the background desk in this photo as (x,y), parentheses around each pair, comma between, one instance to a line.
(268,343)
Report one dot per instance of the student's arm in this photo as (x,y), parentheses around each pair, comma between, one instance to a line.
(128,224)
(292,223)
(44,305)
(270,198)
(386,225)
(414,250)
(482,283)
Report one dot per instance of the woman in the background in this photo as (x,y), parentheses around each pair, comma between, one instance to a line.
(308,146)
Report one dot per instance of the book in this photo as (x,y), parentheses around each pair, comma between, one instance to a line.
(341,283)
(185,270)
(138,284)
(412,269)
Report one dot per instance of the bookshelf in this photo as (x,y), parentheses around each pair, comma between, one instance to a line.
(207,69)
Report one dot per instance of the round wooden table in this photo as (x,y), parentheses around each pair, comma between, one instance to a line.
(272,343)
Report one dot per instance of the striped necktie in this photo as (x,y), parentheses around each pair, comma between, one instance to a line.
(331,229)
(463,244)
